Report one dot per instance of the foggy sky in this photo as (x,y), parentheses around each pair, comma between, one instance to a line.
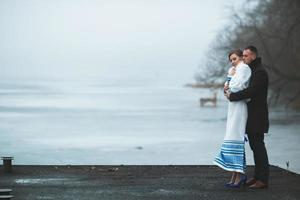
(155,40)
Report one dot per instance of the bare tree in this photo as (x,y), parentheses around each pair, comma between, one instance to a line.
(274,27)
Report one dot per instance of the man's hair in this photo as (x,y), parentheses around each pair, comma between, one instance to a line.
(252,49)
(237,52)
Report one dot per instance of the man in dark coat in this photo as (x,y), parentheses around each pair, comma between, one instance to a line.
(258,120)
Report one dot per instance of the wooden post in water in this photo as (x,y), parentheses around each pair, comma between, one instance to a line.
(7,164)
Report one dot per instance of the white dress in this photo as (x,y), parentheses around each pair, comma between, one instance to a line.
(232,154)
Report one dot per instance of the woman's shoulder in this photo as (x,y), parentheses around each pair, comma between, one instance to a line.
(244,67)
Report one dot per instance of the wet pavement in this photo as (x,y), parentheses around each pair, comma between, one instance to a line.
(140,182)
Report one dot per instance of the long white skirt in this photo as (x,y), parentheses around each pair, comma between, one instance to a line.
(232,155)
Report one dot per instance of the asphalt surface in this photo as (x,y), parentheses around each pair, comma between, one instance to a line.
(140,182)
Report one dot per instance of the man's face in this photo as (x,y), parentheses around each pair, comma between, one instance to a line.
(248,56)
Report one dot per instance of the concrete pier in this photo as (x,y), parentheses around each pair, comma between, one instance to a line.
(140,182)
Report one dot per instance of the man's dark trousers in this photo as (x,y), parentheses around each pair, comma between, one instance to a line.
(261,171)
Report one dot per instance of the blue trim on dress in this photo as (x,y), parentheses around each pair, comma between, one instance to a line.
(232,156)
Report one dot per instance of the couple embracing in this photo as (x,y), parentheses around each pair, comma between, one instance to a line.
(246,90)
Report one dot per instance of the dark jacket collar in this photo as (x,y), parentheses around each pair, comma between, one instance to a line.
(255,63)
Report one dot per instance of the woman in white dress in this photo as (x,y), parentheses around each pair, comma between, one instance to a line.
(232,155)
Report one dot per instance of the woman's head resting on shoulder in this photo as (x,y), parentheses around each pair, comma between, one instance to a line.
(235,57)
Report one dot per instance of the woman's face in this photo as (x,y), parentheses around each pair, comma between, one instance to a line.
(234,59)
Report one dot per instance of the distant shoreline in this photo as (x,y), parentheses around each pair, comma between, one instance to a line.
(204,85)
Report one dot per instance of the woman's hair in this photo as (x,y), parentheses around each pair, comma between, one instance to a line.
(237,52)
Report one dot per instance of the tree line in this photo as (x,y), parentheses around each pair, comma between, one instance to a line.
(273,26)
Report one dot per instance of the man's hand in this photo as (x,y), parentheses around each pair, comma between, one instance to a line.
(226,88)
(227,94)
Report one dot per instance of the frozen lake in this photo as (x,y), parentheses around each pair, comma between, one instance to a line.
(68,122)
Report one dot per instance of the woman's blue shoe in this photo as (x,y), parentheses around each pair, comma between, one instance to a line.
(239,184)
(228,184)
